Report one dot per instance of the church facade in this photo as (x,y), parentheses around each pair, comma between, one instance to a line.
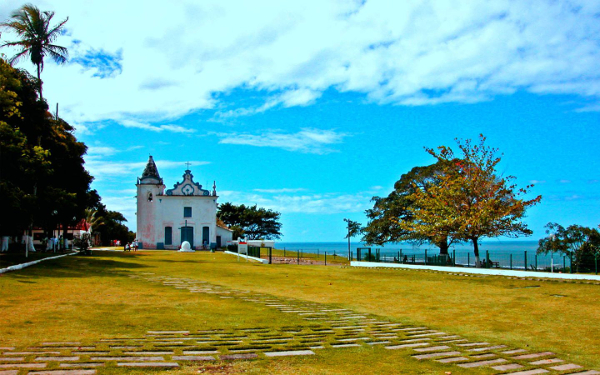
(166,218)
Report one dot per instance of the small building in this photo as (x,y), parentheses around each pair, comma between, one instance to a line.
(187,212)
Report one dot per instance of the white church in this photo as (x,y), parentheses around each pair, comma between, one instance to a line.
(185,213)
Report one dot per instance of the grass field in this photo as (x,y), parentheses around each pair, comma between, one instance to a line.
(89,298)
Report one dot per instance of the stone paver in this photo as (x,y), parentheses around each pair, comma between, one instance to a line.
(547,361)
(149,364)
(530,372)
(452,359)
(146,359)
(227,357)
(482,363)
(9,372)
(565,367)
(63,372)
(432,348)
(589,372)
(192,358)
(81,365)
(512,366)
(23,365)
(533,355)
(289,353)
(435,355)
(407,345)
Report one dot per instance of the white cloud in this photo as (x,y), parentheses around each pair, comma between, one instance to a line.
(409,53)
(314,141)
(155,128)
(329,203)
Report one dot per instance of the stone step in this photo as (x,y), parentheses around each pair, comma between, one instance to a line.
(149,364)
(432,348)
(226,357)
(482,363)
(565,367)
(452,359)
(63,372)
(530,372)
(547,361)
(289,353)
(533,355)
(511,366)
(192,358)
(23,365)
(407,345)
(435,355)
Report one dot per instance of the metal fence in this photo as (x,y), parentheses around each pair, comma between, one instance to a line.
(526,260)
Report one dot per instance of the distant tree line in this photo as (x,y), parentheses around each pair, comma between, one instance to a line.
(251,222)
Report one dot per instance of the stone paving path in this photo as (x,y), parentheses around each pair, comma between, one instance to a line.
(327,327)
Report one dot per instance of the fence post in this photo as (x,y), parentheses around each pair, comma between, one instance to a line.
(487,259)
(369,259)
(298,255)
(564,263)
(525,255)
(468,259)
(454,258)
(284,252)
(535,257)
(270,255)
(571,258)
(511,261)
(326,258)
(425,257)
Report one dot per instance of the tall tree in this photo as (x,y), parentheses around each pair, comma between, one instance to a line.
(389,213)
(42,176)
(354,229)
(471,200)
(36,37)
(256,223)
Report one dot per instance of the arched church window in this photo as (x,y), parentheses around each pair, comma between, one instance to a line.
(150,197)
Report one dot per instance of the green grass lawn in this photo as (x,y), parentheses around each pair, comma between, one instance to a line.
(91,297)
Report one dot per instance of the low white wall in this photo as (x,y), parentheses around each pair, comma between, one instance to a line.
(480,271)
(24,265)
(263,261)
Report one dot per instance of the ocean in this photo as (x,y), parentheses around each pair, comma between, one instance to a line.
(509,254)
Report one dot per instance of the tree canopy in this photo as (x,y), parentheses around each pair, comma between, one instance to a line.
(37,36)
(389,215)
(42,176)
(252,221)
(471,200)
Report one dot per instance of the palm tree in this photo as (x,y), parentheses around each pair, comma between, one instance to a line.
(37,36)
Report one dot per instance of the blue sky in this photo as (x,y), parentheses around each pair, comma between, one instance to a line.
(312,108)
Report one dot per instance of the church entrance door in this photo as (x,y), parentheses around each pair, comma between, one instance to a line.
(187,234)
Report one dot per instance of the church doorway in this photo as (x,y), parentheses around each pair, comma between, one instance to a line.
(205,236)
(187,234)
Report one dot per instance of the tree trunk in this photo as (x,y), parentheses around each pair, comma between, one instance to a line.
(349,251)
(443,245)
(40,80)
(476,251)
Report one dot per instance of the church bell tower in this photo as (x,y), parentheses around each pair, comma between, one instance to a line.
(149,187)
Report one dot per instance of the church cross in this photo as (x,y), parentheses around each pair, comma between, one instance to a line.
(188,165)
